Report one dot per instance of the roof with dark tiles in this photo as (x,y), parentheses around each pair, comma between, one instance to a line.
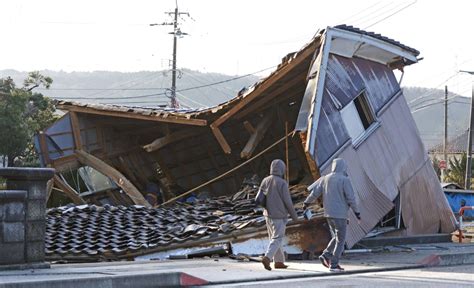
(115,232)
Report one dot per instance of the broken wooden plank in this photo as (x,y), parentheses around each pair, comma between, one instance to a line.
(65,163)
(170,138)
(221,139)
(249,127)
(109,171)
(125,168)
(68,190)
(257,136)
(44,148)
(76,130)
(123,114)
(313,167)
(287,90)
(300,154)
(302,56)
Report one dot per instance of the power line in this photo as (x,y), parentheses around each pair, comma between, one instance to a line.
(127,84)
(436,103)
(377,13)
(433,92)
(100,89)
(396,12)
(360,12)
(164,93)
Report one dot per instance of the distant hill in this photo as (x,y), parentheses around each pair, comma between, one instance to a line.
(146,88)
(427,106)
(128,88)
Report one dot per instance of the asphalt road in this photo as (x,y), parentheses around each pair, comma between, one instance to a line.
(454,276)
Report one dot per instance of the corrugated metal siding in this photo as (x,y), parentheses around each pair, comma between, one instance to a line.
(391,160)
(373,203)
(345,79)
(425,209)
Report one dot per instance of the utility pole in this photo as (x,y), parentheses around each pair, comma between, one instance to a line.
(445,142)
(176,33)
(467,182)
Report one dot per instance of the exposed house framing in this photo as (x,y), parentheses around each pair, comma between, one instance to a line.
(309,92)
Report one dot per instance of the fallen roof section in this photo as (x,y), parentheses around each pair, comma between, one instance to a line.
(109,232)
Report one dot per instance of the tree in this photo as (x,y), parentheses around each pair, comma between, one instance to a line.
(435,163)
(22,113)
(456,172)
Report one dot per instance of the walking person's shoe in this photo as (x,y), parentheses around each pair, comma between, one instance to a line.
(280,265)
(266,263)
(336,269)
(324,260)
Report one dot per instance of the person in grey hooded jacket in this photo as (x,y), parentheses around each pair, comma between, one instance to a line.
(338,197)
(278,206)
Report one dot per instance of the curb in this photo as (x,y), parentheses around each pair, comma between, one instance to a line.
(316,275)
(173,279)
(429,261)
(447,259)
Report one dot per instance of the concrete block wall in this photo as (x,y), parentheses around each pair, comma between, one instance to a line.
(23,215)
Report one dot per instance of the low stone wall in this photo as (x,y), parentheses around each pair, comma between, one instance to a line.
(23,215)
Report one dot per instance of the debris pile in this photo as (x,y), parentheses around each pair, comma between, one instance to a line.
(116,232)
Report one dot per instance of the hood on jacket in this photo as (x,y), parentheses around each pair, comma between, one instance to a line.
(339,166)
(278,168)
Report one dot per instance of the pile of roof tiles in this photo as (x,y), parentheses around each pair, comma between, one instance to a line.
(114,232)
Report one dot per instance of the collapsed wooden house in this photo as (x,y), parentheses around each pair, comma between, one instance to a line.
(336,97)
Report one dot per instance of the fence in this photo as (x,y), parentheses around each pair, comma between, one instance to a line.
(23,215)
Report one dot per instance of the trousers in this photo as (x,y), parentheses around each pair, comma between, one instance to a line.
(334,250)
(276,232)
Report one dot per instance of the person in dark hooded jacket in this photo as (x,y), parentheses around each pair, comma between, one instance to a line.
(338,197)
(278,206)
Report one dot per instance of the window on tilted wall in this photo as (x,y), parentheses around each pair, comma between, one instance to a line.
(357,116)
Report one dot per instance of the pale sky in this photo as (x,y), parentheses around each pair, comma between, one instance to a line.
(227,36)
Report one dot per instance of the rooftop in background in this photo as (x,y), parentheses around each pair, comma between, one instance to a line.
(456,145)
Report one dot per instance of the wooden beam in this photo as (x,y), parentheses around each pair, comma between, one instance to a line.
(221,139)
(171,138)
(68,190)
(65,163)
(277,76)
(44,148)
(109,171)
(138,165)
(123,114)
(129,172)
(76,130)
(301,56)
(111,194)
(257,137)
(313,167)
(287,90)
(300,153)
(249,127)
